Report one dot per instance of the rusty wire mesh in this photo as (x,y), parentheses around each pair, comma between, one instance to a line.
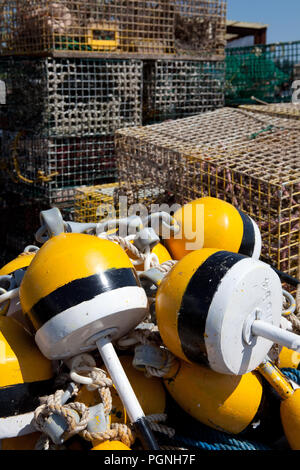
(178,88)
(113,26)
(71,97)
(247,159)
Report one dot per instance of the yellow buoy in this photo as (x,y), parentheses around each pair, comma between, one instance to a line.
(223,402)
(212,223)
(25,375)
(21,443)
(288,359)
(22,261)
(111,445)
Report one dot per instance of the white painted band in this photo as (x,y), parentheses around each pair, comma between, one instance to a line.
(67,334)
(14,426)
(258,241)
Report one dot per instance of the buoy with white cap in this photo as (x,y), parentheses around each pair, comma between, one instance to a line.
(222,309)
(81,293)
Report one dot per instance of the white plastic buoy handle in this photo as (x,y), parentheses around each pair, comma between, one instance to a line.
(275,334)
(126,393)
(11,294)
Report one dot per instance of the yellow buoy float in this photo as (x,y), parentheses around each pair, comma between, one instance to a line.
(212,223)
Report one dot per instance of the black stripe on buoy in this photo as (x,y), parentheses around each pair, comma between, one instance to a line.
(22,398)
(196,302)
(81,290)
(248,241)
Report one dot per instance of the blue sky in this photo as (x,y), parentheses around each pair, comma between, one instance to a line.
(282,16)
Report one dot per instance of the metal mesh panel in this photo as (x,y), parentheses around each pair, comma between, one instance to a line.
(52,168)
(285,110)
(94,203)
(249,160)
(112,26)
(265,71)
(71,97)
(200,25)
(175,89)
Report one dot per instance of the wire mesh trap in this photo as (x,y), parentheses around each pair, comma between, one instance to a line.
(179,88)
(71,97)
(112,27)
(52,167)
(249,160)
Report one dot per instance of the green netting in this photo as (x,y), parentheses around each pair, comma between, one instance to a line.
(264,71)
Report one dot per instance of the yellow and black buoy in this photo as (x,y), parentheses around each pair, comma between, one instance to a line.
(81,293)
(212,223)
(221,309)
(25,375)
(223,402)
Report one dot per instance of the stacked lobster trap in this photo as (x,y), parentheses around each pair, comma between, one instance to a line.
(72,72)
(244,158)
(60,117)
(128,27)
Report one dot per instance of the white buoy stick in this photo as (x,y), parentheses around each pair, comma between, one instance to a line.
(126,393)
(120,380)
(275,334)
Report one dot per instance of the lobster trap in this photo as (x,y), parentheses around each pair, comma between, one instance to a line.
(240,157)
(178,88)
(263,71)
(71,97)
(111,27)
(51,168)
(96,203)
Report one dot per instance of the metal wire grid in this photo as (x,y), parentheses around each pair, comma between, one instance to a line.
(94,203)
(265,71)
(200,26)
(113,26)
(37,26)
(71,97)
(285,110)
(178,88)
(52,168)
(235,156)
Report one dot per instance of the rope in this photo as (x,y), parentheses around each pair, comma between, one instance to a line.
(52,405)
(149,259)
(98,380)
(292,374)
(156,426)
(220,441)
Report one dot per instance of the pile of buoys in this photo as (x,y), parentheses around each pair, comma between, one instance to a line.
(99,330)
